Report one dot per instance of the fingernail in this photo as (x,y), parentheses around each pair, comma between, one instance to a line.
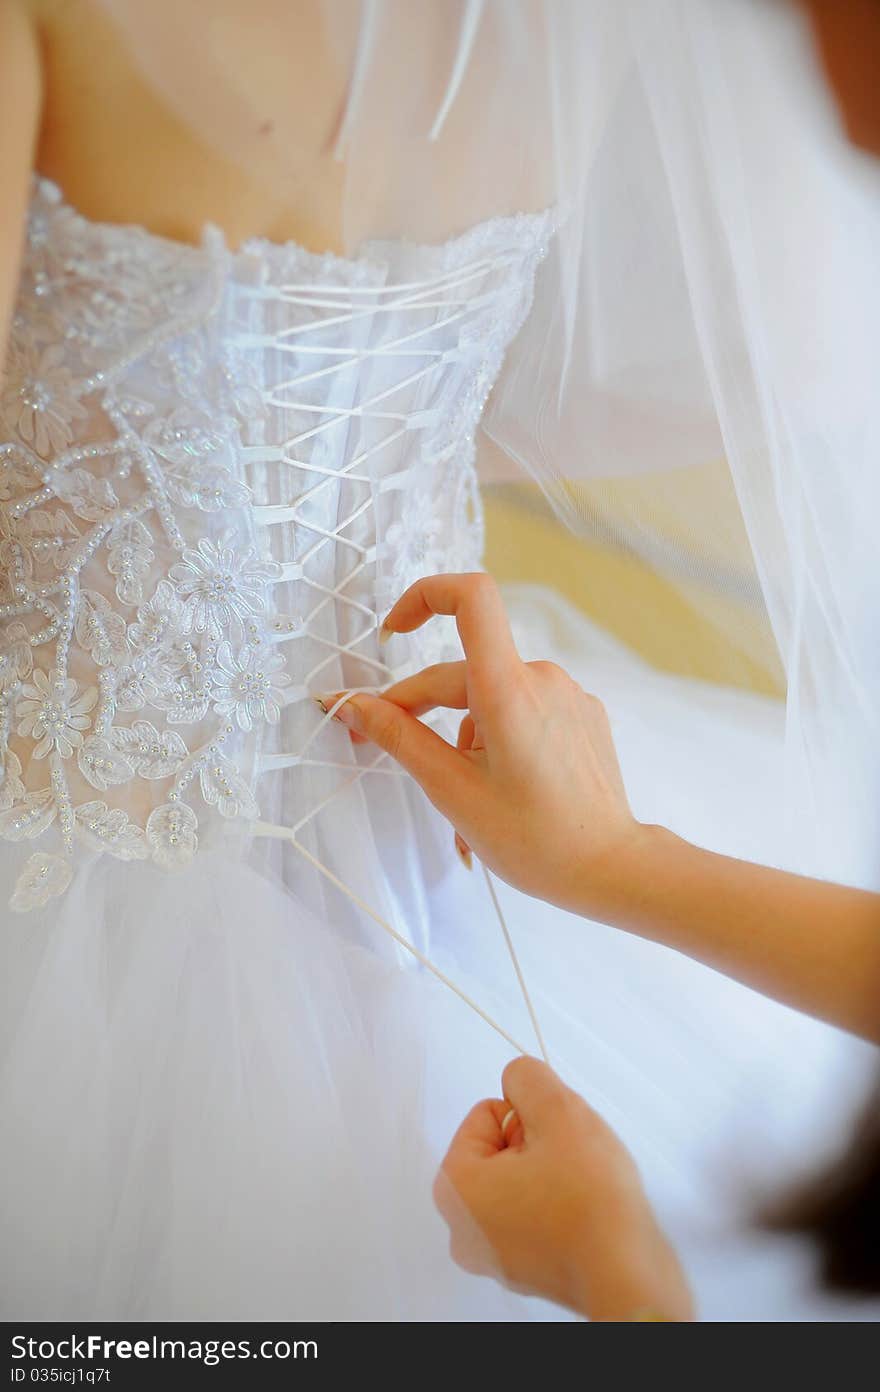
(384,634)
(347,715)
(507,1120)
(327,700)
(464,852)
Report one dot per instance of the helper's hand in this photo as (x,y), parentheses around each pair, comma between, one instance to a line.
(552,1203)
(534,785)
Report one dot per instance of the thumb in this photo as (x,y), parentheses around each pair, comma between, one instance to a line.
(534,1091)
(433,763)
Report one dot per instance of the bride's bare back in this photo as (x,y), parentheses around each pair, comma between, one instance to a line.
(76,108)
(104,135)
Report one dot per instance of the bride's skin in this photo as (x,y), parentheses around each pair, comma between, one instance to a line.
(75,108)
(535,788)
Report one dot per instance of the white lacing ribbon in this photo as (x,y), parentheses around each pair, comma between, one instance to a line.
(356,772)
(516,966)
(444,290)
(346,306)
(290,833)
(368,30)
(470,23)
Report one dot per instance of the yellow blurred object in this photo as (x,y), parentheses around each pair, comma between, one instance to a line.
(630,599)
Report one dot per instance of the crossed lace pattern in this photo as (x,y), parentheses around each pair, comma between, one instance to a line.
(385,422)
(216,476)
(442,303)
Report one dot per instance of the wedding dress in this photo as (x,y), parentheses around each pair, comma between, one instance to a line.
(225,1083)
(219,470)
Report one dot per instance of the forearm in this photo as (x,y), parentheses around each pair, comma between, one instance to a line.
(632,1284)
(813,945)
(535,788)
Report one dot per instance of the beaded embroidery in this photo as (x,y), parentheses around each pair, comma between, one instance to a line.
(200,452)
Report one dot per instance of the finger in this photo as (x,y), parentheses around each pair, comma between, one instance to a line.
(444,684)
(475,602)
(446,777)
(533,1090)
(467,731)
(464,852)
(327,702)
(512,1129)
(479,1135)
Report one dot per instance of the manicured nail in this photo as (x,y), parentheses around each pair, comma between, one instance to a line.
(327,700)
(507,1120)
(464,852)
(347,715)
(384,633)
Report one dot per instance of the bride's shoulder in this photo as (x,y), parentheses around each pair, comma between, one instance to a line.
(39,12)
(20,105)
(19,22)
(27,19)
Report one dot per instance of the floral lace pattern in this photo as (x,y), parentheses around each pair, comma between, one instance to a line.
(203,455)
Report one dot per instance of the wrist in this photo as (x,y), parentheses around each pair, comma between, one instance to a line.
(622,885)
(638,1278)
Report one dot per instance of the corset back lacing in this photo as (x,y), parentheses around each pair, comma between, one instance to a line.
(198,445)
(358,305)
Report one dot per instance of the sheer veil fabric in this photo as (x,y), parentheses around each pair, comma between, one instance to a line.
(641,222)
(697,379)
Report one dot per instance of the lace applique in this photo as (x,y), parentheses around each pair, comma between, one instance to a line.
(53,713)
(40,401)
(182,440)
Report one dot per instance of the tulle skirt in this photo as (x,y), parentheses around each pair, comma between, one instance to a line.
(223,1095)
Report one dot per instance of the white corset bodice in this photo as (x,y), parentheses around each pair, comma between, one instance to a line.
(217,471)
